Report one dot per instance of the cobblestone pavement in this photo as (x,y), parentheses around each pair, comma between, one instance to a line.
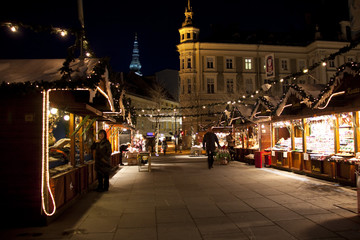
(182,199)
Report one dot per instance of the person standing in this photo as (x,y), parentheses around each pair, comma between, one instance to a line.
(209,141)
(164,146)
(231,144)
(103,151)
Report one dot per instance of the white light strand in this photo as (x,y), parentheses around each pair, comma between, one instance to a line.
(45,178)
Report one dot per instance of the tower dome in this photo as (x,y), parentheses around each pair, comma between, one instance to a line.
(188,33)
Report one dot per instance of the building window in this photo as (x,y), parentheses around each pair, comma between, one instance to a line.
(249,85)
(194,35)
(284,65)
(229,63)
(182,63)
(188,36)
(210,85)
(189,63)
(302,65)
(182,36)
(248,63)
(350,59)
(210,62)
(331,63)
(230,85)
(189,85)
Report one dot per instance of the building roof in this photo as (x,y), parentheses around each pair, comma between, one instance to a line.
(31,70)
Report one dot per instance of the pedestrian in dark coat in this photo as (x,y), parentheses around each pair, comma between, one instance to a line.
(164,146)
(209,141)
(102,161)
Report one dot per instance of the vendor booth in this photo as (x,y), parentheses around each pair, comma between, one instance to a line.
(48,125)
(320,138)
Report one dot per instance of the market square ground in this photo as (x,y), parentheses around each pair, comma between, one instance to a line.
(182,199)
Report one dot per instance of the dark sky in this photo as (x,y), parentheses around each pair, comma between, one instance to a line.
(111,25)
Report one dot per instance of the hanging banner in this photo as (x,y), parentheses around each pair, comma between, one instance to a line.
(270,66)
(354,13)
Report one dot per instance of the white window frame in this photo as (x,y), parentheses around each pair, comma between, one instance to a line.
(331,63)
(284,64)
(246,80)
(210,62)
(229,61)
(188,60)
(230,80)
(208,82)
(248,63)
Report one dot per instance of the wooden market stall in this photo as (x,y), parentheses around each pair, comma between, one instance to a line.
(320,139)
(48,125)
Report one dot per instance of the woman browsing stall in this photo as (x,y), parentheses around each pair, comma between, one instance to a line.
(103,151)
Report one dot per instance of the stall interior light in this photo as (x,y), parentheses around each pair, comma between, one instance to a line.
(66,117)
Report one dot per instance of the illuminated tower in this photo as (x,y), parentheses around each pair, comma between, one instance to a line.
(135,61)
(188,33)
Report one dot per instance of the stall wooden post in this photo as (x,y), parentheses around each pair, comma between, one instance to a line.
(72,139)
(292,137)
(81,142)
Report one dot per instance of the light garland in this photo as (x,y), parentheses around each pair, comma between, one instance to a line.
(45,177)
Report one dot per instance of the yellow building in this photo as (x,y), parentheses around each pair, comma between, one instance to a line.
(213,72)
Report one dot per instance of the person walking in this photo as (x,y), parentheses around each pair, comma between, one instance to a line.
(164,146)
(103,151)
(209,141)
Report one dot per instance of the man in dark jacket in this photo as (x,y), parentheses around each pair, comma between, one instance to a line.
(209,141)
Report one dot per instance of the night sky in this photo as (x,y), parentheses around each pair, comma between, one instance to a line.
(111,25)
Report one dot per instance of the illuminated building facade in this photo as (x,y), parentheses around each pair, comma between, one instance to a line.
(218,72)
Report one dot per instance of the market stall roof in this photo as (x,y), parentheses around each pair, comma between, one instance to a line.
(79,101)
(264,107)
(31,70)
(302,94)
(344,87)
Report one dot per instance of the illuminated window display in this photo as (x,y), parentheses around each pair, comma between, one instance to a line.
(239,139)
(253,141)
(346,134)
(282,136)
(298,135)
(320,134)
(59,140)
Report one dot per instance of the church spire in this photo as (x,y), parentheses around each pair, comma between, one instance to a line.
(135,62)
(188,16)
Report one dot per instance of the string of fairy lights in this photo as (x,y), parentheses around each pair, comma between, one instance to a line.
(259,94)
(246,99)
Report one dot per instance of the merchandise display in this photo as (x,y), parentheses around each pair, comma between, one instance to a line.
(282,136)
(346,135)
(320,135)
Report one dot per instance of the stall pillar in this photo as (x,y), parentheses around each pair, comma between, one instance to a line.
(358,190)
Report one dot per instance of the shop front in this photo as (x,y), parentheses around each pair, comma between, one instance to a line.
(246,142)
(47,163)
